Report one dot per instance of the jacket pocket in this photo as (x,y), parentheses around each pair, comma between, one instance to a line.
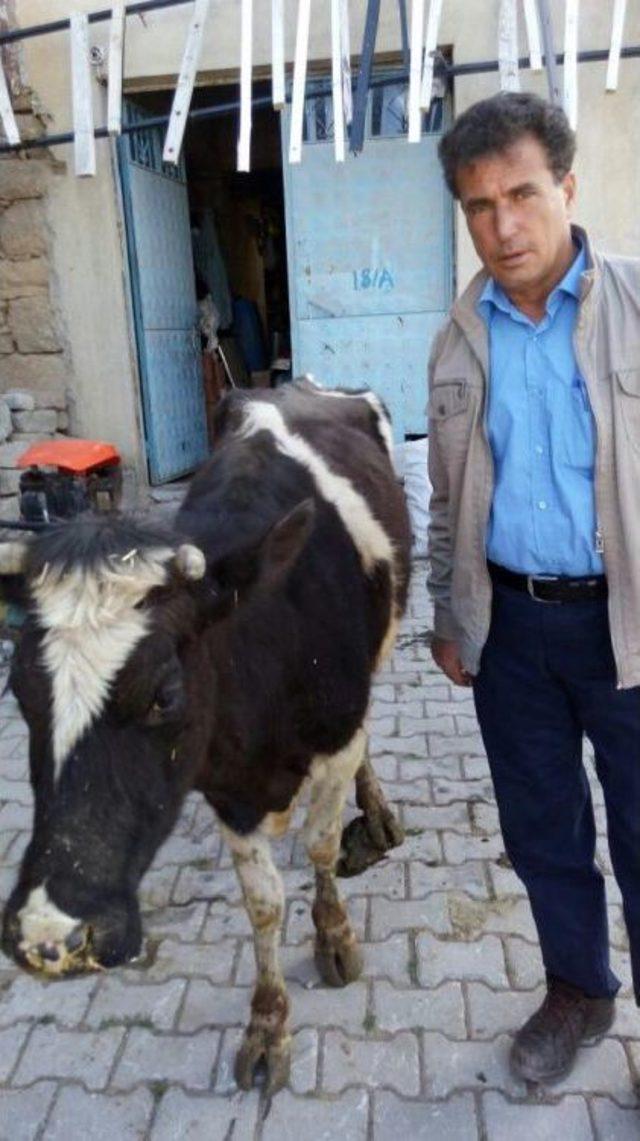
(448,398)
(626,400)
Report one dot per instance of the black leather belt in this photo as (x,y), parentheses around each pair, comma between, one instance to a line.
(552,588)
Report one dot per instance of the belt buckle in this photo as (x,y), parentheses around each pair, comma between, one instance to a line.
(531,588)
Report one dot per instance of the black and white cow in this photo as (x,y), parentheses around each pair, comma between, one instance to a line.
(233,656)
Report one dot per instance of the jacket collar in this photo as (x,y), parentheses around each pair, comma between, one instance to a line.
(464,310)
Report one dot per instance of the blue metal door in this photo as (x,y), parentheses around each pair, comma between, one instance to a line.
(164,304)
(369,245)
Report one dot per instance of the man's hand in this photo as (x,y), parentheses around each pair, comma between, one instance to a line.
(447,656)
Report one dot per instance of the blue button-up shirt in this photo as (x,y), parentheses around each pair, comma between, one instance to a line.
(542,435)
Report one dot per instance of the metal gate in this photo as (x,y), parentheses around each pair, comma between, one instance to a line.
(164,303)
(370,254)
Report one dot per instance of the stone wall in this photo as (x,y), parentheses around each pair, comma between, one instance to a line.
(34,366)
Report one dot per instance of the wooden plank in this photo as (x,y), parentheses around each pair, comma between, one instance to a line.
(82,96)
(415,71)
(9,125)
(570,71)
(299,80)
(184,86)
(336,81)
(430,45)
(533,35)
(246,42)
(277,54)
(116,54)
(404,31)
(617,29)
(345,39)
(508,46)
(550,61)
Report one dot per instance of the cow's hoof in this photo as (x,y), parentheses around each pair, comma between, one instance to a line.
(338,963)
(260,1050)
(365,840)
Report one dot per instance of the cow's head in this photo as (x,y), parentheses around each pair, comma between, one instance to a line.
(114,676)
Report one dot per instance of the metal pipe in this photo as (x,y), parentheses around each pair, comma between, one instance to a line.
(17,34)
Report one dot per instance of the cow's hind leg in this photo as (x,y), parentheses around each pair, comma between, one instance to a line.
(267,1038)
(366,838)
(338,956)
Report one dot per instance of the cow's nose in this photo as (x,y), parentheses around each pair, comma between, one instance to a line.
(59,957)
(48,951)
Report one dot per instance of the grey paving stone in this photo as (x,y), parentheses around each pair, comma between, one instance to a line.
(386,879)
(318,1119)
(440,960)
(156,887)
(136,1004)
(459,848)
(468,877)
(194,884)
(471,917)
(442,724)
(389,915)
(484,818)
(410,767)
(410,746)
(408,1009)
(184,923)
(185,1059)
(475,767)
(493,1012)
(446,791)
(470,744)
(176,959)
(15,790)
(206,1118)
(419,844)
(100,1116)
(602,1069)
(29,998)
(296,962)
(225,920)
(392,1063)
(505,881)
(55,1053)
(207,1005)
(11,1042)
(614,1123)
(16,817)
(304,1061)
(416,791)
(567,1118)
(524,964)
(392,959)
(299,924)
(450,816)
(452,1066)
(394,1119)
(224,1081)
(23,1112)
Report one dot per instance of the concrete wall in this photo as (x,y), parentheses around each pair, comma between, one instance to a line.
(84,216)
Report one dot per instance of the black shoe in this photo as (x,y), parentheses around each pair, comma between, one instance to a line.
(545,1048)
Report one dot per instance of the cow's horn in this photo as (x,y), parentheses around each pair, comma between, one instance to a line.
(190,561)
(13,557)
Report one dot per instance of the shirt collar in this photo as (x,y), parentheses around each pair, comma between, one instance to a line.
(493,295)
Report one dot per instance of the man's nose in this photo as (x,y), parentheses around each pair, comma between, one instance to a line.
(506,223)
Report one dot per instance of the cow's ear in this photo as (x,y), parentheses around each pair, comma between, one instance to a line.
(282,545)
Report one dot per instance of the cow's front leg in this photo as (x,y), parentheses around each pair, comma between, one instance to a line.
(366,838)
(338,956)
(267,1038)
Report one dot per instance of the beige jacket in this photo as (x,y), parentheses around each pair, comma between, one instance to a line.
(607,346)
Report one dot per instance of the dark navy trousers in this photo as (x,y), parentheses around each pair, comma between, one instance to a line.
(547,678)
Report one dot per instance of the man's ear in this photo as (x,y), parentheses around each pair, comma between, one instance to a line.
(283,544)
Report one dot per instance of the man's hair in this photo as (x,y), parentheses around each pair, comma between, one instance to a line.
(493,125)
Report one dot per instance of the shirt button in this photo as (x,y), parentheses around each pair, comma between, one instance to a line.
(542,504)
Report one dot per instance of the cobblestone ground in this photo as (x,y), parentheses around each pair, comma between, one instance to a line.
(415,1049)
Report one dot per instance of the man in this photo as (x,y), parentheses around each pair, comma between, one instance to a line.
(534,456)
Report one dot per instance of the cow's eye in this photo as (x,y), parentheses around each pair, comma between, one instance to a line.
(168,702)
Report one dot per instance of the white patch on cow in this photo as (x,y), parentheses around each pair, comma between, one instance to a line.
(263,894)
(371,540)
(330,779)
(91,627)
(41,921)
(374,402)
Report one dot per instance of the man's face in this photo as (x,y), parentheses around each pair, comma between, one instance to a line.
(518,216)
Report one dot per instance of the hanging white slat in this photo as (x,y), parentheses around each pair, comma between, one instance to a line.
(345,41)
(570,70)
(184,86)
(533,34)
(81,95)
(617,29)
(508,46)
(116,53)
(336,81)
(9,125)
(299,80)
(246,41)
(430,45)
(277,54)
(415,71)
